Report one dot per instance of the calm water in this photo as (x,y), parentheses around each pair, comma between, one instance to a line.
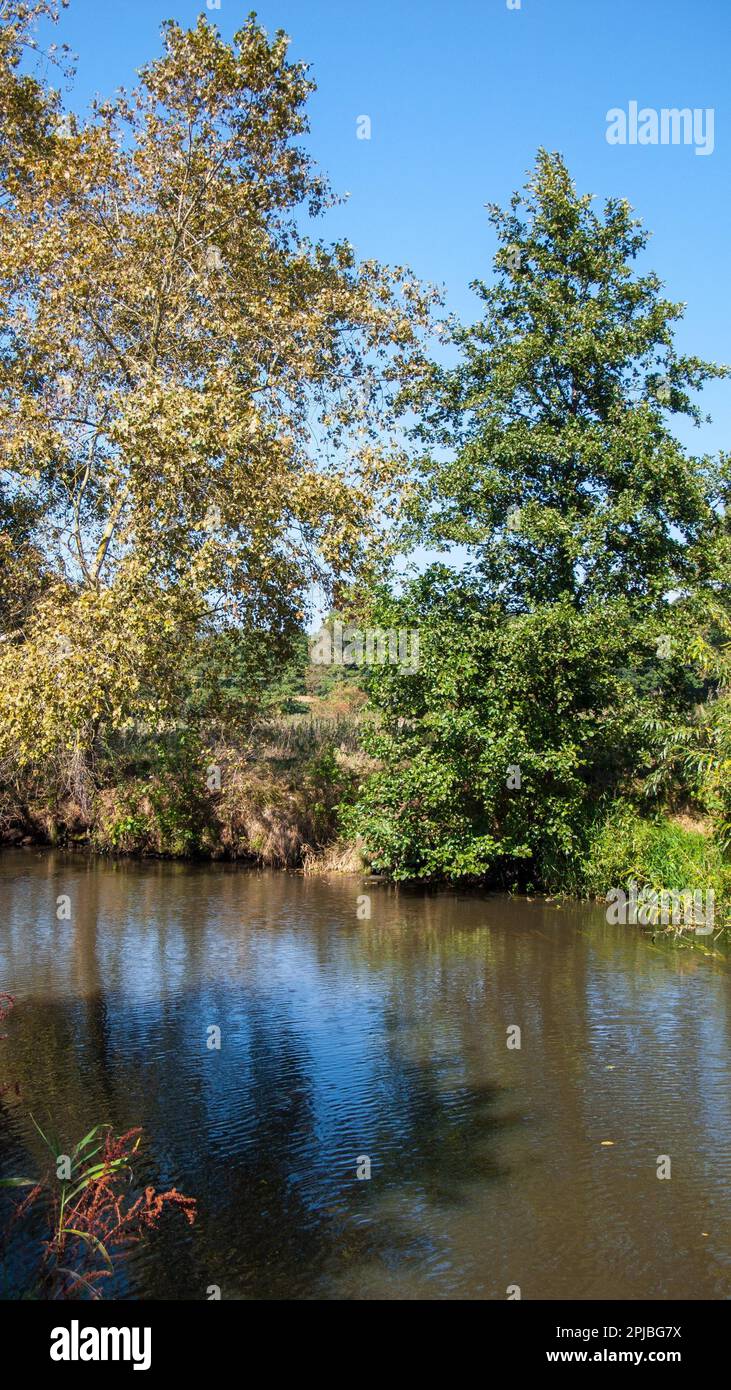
(383,1038)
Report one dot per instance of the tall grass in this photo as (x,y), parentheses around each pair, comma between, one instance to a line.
(297,736)
(659,854)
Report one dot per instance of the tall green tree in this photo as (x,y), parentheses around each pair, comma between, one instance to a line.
(566,477)
(597,548)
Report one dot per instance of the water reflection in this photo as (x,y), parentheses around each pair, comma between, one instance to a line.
(384,1038)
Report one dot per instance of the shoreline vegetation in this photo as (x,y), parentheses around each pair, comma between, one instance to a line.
(208,417)
(285,802)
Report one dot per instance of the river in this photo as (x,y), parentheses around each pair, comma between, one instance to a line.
(352,1044)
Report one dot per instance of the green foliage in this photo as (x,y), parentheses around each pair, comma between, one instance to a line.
(288,684)
(328,785)
(167,810)
(564,475)
(654,852)
(550,693)
(583,633)
(697,751)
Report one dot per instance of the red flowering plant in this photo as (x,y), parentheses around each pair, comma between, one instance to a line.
(88,1220)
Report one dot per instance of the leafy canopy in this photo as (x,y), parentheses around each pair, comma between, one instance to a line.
(565,475)
(598,551)
(181,368)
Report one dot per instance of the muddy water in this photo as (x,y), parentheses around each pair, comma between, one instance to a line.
(382,1039)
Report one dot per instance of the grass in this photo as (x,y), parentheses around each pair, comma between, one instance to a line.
(657,853)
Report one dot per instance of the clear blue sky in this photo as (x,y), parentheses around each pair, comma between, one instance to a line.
(460,97)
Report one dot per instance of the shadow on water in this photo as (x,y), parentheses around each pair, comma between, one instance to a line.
(246,1131)
(383,1040)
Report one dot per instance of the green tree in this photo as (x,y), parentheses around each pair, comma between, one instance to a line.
(596,544)
(566,479)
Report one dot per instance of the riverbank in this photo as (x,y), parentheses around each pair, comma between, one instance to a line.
(283,802)
(272,801)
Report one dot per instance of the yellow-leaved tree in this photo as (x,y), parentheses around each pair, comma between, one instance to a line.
(199,402)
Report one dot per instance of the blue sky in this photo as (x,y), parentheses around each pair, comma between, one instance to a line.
(460,96)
